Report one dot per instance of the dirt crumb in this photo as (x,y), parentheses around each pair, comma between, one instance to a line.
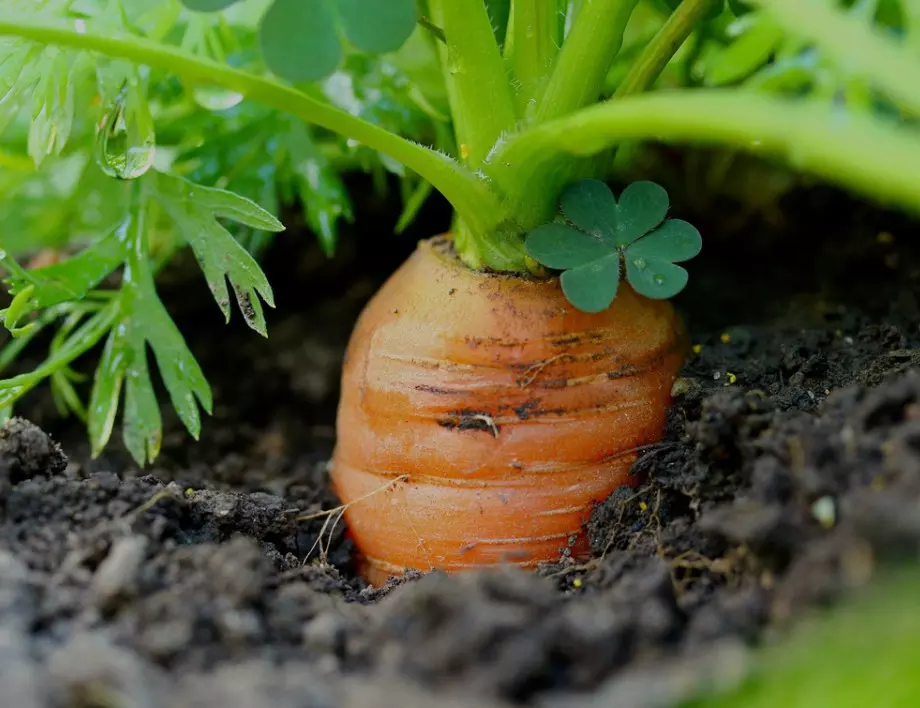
(26,451)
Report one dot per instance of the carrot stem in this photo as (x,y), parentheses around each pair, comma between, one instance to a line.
(534,39)
(478,86)
(868,155)
(593,41)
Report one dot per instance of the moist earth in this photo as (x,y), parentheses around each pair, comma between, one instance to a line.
(789,476)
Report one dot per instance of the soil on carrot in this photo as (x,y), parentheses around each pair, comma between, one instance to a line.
(789,475)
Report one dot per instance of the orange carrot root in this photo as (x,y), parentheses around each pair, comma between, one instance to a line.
(509,412)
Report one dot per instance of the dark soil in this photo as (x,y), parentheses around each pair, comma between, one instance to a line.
(789,475)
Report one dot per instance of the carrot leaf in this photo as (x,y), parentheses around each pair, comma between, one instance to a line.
(69,280)
(605,235)
(193,209)
(207,5)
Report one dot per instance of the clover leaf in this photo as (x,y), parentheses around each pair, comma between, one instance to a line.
(605,236)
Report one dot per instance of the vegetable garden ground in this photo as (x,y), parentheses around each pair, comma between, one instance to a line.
(790,474)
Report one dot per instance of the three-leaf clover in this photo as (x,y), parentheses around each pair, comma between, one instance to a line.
(605,235)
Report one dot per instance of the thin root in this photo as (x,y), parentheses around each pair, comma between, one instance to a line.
(159,496)
(334,515)
(534,371)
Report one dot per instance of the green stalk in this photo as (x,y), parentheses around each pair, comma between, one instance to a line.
(589,49)
(482,107)
(663,46)
(474,201)
(594,39)
(479,90)
(534,38)
(860,50)
(860,152)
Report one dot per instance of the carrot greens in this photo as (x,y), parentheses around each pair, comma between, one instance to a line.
(133,129)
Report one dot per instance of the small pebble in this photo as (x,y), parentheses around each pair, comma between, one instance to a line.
(116,574)
(825,511)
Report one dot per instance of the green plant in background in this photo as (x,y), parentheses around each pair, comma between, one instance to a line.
(131,129)
(160,165)
(866,652)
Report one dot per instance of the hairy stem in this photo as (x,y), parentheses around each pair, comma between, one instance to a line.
(469,194)
(479,90)
(533,43)
(865,154)
(663,46)
(593,41)
(855,47)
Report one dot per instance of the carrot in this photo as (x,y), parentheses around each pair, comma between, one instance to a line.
(508,412)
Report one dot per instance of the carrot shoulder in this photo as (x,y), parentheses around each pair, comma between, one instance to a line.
(502,413)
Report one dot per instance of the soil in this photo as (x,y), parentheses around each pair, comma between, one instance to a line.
(790,474)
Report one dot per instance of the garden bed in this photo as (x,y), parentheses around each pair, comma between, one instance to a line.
(790,473)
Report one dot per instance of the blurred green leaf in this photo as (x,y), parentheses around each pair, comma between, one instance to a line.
(62,380)
(86,336)
(53,110)
(863,652)
(413,205)
(747,54)
(300,40)
(718,6)
(319,186)
(739,7)
(69,280)
(377,91)
(21,67)
(377,26)
(69,202)
(207,5)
